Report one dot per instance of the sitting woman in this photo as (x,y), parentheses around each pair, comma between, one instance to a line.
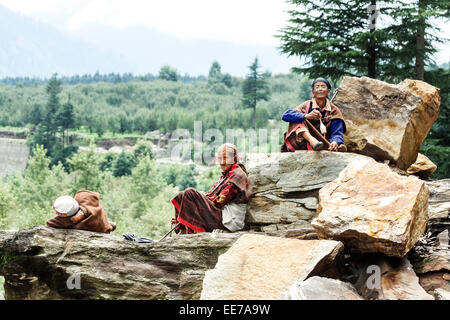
(223,207)
(322,115)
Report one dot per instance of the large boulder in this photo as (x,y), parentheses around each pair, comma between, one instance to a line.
(47,263)
(370,208)
(286,185)
(262,267)
(387,121)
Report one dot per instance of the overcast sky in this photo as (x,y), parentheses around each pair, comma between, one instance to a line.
(238,21)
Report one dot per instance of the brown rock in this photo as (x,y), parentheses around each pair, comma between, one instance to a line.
(264,267)
(387,121)
(433,280)
(388,278)
(423,167)
(433,260)
(372,209)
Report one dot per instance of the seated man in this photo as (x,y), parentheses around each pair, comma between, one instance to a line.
(320,113)
(83,212)
(223,207)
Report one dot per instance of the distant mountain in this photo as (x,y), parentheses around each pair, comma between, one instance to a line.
(30,48)
(150,49)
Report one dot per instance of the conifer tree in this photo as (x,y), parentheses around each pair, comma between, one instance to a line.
(254,88)
(387,40)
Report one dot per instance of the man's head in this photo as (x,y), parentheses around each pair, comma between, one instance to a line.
(226,156)
(65,206)
(321,88)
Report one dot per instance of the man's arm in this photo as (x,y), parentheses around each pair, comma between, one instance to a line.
(293,116)
(337,131)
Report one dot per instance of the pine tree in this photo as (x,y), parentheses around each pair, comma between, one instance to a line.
(254,88)
(66,119)
(413,33)
(338,38)
(332,36)
(53,89)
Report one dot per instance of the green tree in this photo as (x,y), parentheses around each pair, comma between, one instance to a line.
(84,166)
(6,205)
(338,38)
(215,70)
(35,117)
(53,89)
(254,88)
(437,144)
(414,34)
(143,149)
(66,119)
(123,164)
(168,73)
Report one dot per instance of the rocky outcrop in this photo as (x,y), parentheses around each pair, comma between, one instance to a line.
(46,263)
(286,185)
(372,209)
(387,121)
(263,267)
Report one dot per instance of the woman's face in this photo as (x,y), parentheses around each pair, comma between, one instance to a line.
(225,162)
(320,90)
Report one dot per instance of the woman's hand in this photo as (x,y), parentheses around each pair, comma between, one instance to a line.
(333,146)
(314,115)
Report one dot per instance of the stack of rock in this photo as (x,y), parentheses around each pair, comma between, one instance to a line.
(365,217)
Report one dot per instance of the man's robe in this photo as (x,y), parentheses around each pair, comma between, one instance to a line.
(95,217)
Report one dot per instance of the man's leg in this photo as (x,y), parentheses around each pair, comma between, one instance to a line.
(313,142)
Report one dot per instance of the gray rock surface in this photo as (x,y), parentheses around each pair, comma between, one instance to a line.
(46,263)
(439,206)
(319,288)
(286,185)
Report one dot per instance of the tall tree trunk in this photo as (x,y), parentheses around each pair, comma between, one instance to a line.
(254,116)
(419,68)
(371,67)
